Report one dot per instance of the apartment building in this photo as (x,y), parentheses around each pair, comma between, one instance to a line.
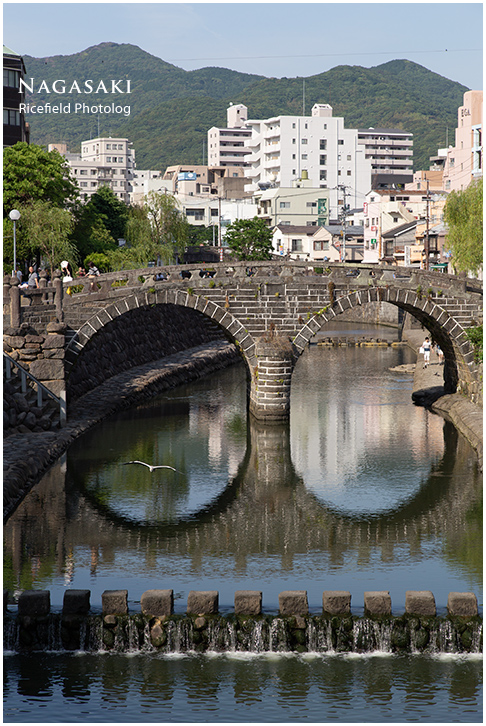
(464,162)
(226,146)
(15,128)
(390,151)
(284,147)
(201,180)
(145,181)
(300,205)
(104,161)
(386,209)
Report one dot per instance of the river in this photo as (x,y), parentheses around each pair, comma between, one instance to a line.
(361,491)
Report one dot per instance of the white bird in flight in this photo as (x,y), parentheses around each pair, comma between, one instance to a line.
(149,466)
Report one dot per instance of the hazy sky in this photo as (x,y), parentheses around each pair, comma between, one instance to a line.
(270,39)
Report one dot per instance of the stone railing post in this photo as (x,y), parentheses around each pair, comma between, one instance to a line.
(6,292)
(58,296)
(43,283)
(15,309)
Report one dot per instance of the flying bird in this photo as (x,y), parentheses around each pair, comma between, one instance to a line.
(149,466)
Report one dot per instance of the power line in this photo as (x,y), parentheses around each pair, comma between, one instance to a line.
(326,55)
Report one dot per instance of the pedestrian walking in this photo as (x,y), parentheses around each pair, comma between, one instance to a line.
(425,349)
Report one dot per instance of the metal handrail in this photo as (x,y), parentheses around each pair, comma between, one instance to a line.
(9,363)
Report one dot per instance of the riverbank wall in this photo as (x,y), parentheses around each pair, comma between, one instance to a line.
(428,391)
(202,628)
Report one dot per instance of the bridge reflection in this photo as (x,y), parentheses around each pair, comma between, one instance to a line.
(264,509)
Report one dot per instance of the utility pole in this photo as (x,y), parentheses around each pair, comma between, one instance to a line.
(219,230)
(343,215)
(426,240)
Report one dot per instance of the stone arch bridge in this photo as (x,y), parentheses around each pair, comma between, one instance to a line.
(271,310)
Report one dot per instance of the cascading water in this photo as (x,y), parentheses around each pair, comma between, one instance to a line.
(136,633)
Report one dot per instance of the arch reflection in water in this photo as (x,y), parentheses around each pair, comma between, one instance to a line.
(258,508)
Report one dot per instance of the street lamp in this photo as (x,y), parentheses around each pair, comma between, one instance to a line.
(14,216)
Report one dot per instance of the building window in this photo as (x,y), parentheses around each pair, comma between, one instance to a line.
(108,146)
(323,144)
(293,141)
(293,156)
(323,175)
(304,156)
(11,118)
(311,204)
(284,205)
(348,157)
(296,245)
(83,172)
(11,79)
(84,184)
(348,172)
(340,142)
(304,141)
(323,159)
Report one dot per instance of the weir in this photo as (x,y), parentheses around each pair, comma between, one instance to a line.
(203,629)
(273,634)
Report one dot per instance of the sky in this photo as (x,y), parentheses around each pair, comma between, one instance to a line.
(270,39)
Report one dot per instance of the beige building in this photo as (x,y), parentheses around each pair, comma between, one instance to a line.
(201,180)
(385,209)
(226,146)
(298,205)
(103,161)
(464,161)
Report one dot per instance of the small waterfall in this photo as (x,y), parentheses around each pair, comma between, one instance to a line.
(319,636)
(11,633)
(221,636)
(257,637)
(180,636)
(133,637)
(278,636)
(443,638)
(54,637)
(477,639)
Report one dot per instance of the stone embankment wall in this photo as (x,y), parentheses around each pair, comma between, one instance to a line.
(27,456)
(202,628)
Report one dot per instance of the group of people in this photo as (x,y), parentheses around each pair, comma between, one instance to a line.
(66,273)
(426,348)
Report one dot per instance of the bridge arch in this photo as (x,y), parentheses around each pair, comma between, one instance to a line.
(444,330)
(86,335)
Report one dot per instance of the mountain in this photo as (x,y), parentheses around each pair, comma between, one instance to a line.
(171,109)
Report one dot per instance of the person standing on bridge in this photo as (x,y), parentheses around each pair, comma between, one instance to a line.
(93,272)
(426,346)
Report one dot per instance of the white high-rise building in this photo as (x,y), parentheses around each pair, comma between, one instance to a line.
(283,148)
(226,146)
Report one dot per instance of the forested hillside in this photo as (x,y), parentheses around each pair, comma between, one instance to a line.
(171,109)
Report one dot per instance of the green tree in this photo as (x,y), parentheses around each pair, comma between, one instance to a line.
(114,213)
(169,227)
(463,215)
(31,174)
(49,228)
(141,248)
(100,223)
(250,239)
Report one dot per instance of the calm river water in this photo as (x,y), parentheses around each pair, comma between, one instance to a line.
(362,491)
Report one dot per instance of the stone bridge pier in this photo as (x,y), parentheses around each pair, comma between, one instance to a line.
(270,378)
